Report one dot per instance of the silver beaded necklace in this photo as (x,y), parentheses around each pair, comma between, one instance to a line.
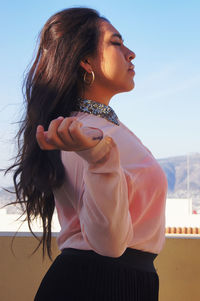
(97,109)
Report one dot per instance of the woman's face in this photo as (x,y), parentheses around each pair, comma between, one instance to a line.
(112,65)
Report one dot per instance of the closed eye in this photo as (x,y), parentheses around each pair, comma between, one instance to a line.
(116,43)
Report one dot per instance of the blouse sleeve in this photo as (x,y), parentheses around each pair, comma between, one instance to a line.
(104,207)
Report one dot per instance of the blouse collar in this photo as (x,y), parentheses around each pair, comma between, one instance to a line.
(98,109)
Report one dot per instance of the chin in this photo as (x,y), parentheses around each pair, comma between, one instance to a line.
(125,88)
(131,87)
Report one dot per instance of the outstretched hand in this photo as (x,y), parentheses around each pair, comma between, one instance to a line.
(66,134)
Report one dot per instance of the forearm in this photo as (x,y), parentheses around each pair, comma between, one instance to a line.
(104,211)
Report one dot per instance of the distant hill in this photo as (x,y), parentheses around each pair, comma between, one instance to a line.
(179,170)
(7,197)
(182,172)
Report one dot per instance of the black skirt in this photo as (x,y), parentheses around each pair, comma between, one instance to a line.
(81,275)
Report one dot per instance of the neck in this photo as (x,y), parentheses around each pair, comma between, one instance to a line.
(97,95)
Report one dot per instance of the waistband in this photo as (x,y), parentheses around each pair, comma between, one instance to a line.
(131,258)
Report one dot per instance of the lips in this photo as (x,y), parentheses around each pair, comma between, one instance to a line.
(131,67)
(131,70)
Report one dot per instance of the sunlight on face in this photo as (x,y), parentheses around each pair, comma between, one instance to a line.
(113,66)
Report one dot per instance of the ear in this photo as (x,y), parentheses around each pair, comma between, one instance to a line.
(85,64)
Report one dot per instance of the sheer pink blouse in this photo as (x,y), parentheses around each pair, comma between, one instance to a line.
(113,196)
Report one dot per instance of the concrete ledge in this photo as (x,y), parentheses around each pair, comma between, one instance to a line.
(55,234)
(24,234)
(183,236)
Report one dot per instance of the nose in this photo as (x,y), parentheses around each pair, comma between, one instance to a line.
(130,55)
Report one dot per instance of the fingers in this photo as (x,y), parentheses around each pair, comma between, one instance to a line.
(63,138)
(63,129)
(77,134)
(80,136)
(41,139)
(57,136)
(48,140)
(65,134)
(69,132)
(52,133)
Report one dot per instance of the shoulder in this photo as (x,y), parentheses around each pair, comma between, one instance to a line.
(90,120)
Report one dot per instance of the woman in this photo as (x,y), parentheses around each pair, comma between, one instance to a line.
(108,189)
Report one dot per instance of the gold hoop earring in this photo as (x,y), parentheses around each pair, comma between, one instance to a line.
(87,81)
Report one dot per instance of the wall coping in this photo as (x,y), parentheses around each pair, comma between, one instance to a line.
(55,234)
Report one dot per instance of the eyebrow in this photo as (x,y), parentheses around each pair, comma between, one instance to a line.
(117,35)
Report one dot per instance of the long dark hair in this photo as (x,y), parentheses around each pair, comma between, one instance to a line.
(51,88)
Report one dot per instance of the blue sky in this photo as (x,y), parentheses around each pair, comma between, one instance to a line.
(163,110)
